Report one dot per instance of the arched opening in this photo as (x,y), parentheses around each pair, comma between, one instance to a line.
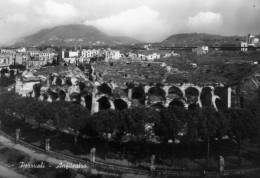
(37,90)
(175,92)
(192,94)
(88,101)
(104,103)
(53,95)
(223,94)
(158,91)
(120,104)
(206,97)
(105,89)
(62,95)
(176,103)
(75,98)
(139,94)
(156,95)
(220,105)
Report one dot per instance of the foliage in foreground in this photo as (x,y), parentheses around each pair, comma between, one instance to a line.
(168,123)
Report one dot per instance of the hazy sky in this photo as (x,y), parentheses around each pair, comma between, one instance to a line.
(150,20)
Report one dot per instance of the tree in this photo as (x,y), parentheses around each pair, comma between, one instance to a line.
(134,118)
(243,125)
(208,126)
(43,114)
(167,127)
(37,90)
(78,119)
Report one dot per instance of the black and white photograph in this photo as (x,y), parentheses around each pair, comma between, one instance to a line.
(129,88)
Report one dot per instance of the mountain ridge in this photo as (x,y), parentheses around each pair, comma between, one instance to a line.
(71,35)
(196,39)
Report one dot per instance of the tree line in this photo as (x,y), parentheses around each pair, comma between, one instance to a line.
(168,123)
(140,123)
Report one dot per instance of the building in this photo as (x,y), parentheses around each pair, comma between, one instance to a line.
(89,53)
(201,50)
(71,60)
(153,56)
(244,46)
(73,54)
(148,55)
(33,52)
(21,50)
(8,51)
(35,62)
(21,58)
(170,54)
(252,40)
(6,60)
(112,55)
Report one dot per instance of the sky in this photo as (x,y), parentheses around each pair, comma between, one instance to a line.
(146,20)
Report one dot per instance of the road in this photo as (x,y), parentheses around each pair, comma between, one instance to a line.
(6,172)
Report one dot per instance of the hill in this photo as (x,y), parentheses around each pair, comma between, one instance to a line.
(71,35)
(196,39)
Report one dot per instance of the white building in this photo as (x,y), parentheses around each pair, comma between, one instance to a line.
(148,55)
(252,39)
(201,50)
(8,51)
(153,56)
(6,60)
(244,46)
(112,55)
(73,54)
(84,60)
(34,52)
(21,50)
(71,60)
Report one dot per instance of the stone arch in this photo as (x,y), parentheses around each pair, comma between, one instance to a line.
(192,91)
(192,94)
(75,97)
(105,89)
(158,91)
(222,92)
(177,92)
(155,95)
(220,104)
(120,104)
(206,96)
(62,95)
(104,103)
(138,93)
